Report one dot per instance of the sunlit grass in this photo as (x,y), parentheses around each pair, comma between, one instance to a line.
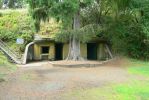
(134,89)
(127,91)
(139,67)
(138,90)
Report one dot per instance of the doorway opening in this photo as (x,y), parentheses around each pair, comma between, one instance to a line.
(45,52)
(92,51)
(58,51)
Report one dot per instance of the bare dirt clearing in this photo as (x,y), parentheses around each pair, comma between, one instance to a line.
(41,81)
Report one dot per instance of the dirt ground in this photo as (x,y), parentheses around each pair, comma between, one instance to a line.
(41,81)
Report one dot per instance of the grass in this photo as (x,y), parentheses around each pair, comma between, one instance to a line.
(139,68)
(130,91)
(134,89)
(5,67)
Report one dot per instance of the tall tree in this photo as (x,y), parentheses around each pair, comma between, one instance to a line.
(66,11)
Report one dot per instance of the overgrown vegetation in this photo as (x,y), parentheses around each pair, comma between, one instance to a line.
(16,24)
(124,24)
(130,30)
(66,12)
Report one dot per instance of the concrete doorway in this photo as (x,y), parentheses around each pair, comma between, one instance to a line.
(58,51)
(92,51)
(45,52)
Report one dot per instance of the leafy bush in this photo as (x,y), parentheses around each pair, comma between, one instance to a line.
(15,25)
(128,38)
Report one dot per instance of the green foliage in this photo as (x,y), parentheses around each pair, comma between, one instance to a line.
(129,31)
(84,34)
(62,11)
(124,23)
(15,25)
(128,38)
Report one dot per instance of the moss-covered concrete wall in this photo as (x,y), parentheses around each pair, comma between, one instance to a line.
(101,50)
(102,54)
(83,48)
(65,50)
(37,50)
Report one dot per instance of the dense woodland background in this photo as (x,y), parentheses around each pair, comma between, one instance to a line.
(124,24)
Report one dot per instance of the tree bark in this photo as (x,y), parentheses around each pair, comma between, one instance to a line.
(74,42)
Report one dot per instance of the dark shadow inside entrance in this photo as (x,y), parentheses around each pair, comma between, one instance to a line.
(58,51)
(45,52)
(92,51)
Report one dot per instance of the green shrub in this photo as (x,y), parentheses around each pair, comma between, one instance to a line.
(128,37)
(15,24)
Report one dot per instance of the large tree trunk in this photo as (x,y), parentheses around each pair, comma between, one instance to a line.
(74,43)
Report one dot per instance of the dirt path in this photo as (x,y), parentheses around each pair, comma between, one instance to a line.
(41,81)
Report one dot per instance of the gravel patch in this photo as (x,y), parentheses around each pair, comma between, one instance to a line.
(41,81)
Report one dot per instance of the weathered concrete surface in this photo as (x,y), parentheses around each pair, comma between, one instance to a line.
(76,64)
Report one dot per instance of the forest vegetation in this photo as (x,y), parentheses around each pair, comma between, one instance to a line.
(124,24)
